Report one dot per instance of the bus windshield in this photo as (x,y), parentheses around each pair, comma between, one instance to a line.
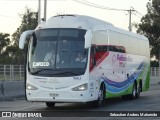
(57,52)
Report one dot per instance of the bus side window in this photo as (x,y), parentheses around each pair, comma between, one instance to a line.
(92,58)
(100,51)
(120,49)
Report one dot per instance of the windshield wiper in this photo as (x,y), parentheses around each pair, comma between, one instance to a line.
(68,72)
(49,69)
(57,72)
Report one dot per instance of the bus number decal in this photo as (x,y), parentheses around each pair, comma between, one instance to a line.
(77,77)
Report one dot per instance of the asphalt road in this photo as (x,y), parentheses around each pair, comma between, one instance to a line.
(149,101)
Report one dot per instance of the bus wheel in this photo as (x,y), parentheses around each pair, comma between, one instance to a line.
(134,92)
(50,104)
(138,91)
(101,97)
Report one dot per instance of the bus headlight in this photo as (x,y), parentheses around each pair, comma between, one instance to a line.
(82,87)
(30,87)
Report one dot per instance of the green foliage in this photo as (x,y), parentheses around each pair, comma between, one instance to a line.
(10,52)
(29,22)
(4,43)
(150,26)
(154,64)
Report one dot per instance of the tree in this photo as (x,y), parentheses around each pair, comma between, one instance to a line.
(9,50)
(150,26)
(29,22)
(4,43)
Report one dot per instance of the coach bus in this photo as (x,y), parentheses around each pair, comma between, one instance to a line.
(81,59)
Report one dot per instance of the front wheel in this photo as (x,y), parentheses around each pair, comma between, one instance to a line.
(50,104)
(101,97)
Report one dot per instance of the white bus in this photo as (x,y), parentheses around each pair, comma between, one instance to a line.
(79,59)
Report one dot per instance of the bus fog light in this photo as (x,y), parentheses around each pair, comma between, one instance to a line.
(81,87)
(30,87)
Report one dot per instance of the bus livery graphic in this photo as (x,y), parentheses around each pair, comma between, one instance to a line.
(76,58)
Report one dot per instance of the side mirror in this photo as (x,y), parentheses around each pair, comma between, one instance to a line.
(88,38)
(23,38)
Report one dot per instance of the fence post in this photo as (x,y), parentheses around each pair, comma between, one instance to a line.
(155,74)
(10,72)
(20,71)
(159,73)
(4,71)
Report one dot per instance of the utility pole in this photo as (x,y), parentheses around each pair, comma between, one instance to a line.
(130,18)
(159,64)
(45,9)
(39,11)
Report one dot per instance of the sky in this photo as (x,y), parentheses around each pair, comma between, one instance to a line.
(10,11)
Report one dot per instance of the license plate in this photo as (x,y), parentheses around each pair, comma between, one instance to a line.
(53,94)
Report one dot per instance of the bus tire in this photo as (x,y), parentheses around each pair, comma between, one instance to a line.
(134,92)
(101,97)
(50,104)
(138,91)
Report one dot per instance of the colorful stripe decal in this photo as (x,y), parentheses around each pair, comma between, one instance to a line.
(117,87)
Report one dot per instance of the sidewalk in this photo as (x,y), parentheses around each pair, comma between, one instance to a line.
(155,80)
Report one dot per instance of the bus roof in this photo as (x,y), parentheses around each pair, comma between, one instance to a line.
(73,21)
(83,22)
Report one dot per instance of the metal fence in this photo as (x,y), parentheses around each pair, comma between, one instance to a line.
(155,72)
(16,72)
(11,72)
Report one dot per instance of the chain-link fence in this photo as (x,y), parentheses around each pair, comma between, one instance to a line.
(16,72)
(11,72)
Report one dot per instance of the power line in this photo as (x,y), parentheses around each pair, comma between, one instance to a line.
(84,2)
(130,11)
(8,16)
(97,6)
(139,13)
(108,8)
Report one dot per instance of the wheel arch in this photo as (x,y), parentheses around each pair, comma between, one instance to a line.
(104,88)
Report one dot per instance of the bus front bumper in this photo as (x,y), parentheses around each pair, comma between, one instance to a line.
(63,96)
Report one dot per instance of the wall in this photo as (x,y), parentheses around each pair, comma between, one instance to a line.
(11,89)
